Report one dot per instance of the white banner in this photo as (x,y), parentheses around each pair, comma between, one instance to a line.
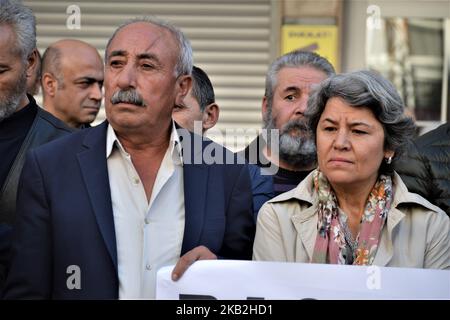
(237,280)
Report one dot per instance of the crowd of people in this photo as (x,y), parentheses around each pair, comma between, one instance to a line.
(349,183)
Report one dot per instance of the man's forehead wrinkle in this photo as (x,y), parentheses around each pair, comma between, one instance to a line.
(146,52)
(153,43)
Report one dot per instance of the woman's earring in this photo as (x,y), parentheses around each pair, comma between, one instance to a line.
(388,160)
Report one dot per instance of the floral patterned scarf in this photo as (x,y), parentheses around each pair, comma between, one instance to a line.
(330,244)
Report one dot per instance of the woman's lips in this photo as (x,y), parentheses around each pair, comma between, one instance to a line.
(340,160)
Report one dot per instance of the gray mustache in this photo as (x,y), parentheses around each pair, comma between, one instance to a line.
(128,96)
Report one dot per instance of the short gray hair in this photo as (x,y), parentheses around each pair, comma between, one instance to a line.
(371,90)
(185,56)
(295,59)
(23,22)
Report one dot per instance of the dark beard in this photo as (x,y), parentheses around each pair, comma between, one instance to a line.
(296,144)
(10,100)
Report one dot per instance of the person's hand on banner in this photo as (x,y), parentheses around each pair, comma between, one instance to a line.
(198,253)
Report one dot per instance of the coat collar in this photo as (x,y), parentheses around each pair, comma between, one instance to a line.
(305,219)
(174,143)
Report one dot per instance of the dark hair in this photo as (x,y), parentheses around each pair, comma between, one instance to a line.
(202,89)
(371,90)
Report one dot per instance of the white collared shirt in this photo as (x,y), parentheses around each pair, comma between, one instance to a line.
(149,235)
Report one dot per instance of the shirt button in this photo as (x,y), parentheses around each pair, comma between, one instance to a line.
(146,221)
(136,180)
(148,267)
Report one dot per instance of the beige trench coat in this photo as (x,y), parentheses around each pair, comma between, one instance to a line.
(416,234)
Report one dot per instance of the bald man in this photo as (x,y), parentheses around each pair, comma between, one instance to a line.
(72,80)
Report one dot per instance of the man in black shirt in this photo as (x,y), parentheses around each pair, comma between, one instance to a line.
(289,82)
(23,125)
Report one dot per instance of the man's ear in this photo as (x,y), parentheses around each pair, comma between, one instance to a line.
(49,84)
(32,63)
(264,107)
(183,86)
(210,116)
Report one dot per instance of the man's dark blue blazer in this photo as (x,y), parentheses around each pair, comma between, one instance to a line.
(65,217)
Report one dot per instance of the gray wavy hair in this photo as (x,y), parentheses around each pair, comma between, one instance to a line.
(371,90)
(185,56)
(23,22)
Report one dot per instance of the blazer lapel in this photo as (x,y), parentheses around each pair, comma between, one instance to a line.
(95,173)
(195,195)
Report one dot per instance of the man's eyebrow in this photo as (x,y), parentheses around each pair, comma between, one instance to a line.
(292,88)
(88,79)
(115,53)
(147,56)
(141,56)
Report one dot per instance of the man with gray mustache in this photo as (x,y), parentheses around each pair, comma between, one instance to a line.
(102,210)
(128,96)
(289,82)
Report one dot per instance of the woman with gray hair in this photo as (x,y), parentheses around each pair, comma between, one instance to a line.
(354,209)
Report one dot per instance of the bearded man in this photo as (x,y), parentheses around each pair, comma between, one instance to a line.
(289,82)
(23,125)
